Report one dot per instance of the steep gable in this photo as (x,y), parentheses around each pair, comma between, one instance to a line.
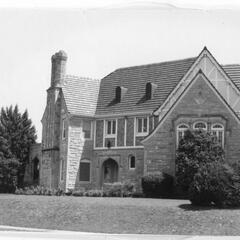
(80,95)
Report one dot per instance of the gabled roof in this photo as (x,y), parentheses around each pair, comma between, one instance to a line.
(80,95)
(233,71)
(165,75)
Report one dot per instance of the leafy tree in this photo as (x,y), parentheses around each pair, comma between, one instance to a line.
(8,168)
(195,149)
(17,130)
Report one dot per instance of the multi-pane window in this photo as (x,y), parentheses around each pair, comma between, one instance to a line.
(142,126)
(110,127)
(181,129)
(87,129)
(218,132)
(131,162)
(84,173)
(64,129)
(200,125)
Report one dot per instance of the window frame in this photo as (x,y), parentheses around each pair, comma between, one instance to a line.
(129,161)
(90,174)
(91,129)
(217,132)
(194,125)
(179,129)
(141,134)
(111,135)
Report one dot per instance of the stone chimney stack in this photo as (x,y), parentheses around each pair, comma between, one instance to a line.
(59,60)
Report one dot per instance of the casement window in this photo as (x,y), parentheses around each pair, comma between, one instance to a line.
(217,131)
(87,129)
(64,129)
(85,171)
(61,169)
(131,162)
(141,126)
(110,126)
(200,125)
(181,129)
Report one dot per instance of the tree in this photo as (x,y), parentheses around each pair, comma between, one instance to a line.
(195,149)
(17,130)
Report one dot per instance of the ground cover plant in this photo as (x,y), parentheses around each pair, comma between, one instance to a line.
(117,215)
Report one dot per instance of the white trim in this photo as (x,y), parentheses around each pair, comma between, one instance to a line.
(134,131)
(125,132)
(129,162)
(122,114)
(90,172)
(219,130)
(204,53)
(180,98)
(120,147)
(141,134)
(178,129)
(194,128)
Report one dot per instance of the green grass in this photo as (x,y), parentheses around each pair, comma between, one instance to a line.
(117,215)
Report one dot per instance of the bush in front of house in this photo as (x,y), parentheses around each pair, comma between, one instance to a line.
(216,184)
(118,189)
(39,190)
(157,185)
(195,149)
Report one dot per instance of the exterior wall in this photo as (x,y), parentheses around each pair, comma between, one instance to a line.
(78,149)
(199,103)
(34,152)
(121,157)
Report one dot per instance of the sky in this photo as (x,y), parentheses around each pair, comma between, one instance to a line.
(99,40)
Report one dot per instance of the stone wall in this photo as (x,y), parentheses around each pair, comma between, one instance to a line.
(199,103)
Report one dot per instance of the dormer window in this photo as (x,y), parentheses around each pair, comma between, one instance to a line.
(120,92)
(150,88)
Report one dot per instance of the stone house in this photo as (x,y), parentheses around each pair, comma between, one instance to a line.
(129,123)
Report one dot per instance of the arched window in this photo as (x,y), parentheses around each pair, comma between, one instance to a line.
(200,125)
(217,131)
(181,129)
(131,162)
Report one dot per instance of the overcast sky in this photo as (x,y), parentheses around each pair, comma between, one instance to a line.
(98,41)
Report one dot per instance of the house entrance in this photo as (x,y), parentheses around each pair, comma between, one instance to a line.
(109,171)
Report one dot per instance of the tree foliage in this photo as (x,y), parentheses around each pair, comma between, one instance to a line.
(17,133)
(195,149)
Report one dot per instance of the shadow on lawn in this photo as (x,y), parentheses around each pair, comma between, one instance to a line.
(190,207)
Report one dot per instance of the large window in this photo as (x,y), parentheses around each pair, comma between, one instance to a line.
(200,125)
(218,132)
(84,173)
(142,126)
(110,127)
(181,129)
(87,129)
(132,162)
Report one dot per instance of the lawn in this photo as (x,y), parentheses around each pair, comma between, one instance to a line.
(117,215)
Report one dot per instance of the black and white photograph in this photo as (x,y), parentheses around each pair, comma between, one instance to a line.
(120,120)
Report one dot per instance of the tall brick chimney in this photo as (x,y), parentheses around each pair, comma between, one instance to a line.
(59,60)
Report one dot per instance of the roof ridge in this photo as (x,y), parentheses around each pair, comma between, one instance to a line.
(80,77)
(154,64)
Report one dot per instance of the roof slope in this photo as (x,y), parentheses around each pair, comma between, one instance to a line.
(80,95)
(233,71)
(166,75)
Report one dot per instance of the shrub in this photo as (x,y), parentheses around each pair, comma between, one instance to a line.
(93,193)
(39,190)
(157,185)
(78,193)
(195,149)
(118,189)
(216,184)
